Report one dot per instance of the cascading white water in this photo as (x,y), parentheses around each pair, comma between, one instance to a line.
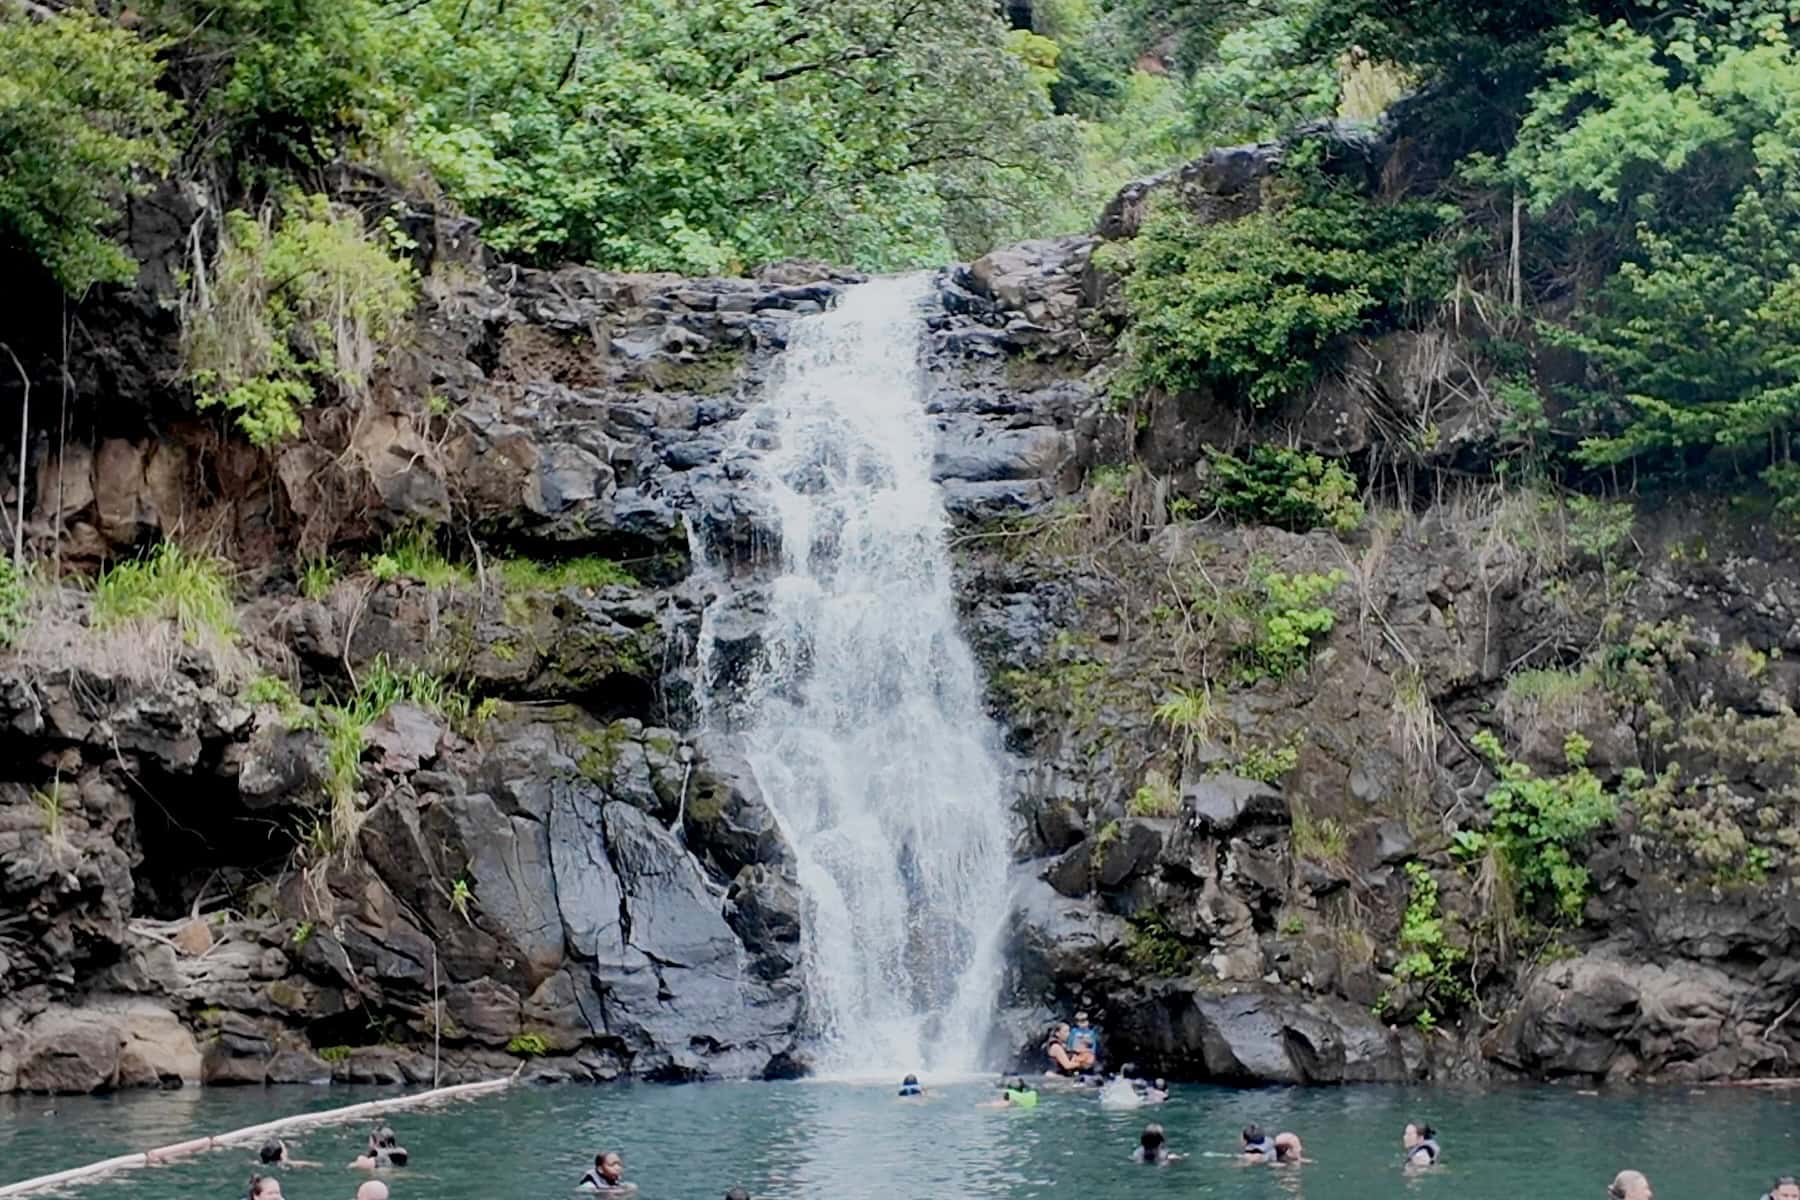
(863,721)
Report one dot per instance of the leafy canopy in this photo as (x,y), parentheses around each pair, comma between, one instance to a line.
(80,116)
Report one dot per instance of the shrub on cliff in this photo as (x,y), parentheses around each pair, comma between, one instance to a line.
(1253,307)
(1278,486)
(80,116)
(291,303)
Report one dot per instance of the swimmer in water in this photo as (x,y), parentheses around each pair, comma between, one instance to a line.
(1257,1146)
(1629,1185)
(274,1153)
(1153,1148)
(384,1151)
(1157,1092)
(1786,1188)
(910,1086)
(737,1194)
(1288,1150)
(264,1187)
(1420,1142)
(608,1176)
(1014,1093)
(372,1189)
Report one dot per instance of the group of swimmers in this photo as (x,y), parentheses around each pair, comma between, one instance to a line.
(383,1152)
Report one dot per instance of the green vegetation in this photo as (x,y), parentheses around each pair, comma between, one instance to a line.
(1151,947)
(1288,622)
(1319,839)
(276,691)
(1274,485)
(289,304)
(1189,713)
(80,117)
(1267,763)
(1539,826)
(168,584)
(1428,959)
(335,1054)
(528,1045)
(1252,308)
(15,602)
(413,553)
(587,572)
(317,577)
(1155,797)
(462,897)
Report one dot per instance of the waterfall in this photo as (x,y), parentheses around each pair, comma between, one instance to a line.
(862,719)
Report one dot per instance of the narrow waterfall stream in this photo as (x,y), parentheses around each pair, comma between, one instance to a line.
(863,720)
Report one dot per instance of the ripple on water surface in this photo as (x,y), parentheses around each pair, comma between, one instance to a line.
(829,1141)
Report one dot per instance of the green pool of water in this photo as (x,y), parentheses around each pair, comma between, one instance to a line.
(833,1141)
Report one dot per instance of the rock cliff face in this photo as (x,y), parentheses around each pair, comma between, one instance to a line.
(545,861)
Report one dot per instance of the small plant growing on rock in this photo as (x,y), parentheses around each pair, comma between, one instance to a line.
(1153,948)
(168,584)
(587,572)
(317,577)
(335,1054)
(461,897)
(1427,958)
(1319,839)
(412,553)
(1288,623)
(1188,712)
(1267,764)
(1274,485)
(1156,798)
(50,808)
(302,934)
(528,1045)
(1539,825)
(15,602)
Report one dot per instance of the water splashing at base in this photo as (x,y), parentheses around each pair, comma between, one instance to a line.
(863,719)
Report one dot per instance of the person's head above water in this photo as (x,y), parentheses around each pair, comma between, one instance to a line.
(737,1194)
(1288,1147)
(1254,1134)
(912,1080)
(1152,1138)
(910,1086)
(271,1151)
(372,1189)
(1629,1185)
(1786,1188)
(610,1165)
(264,1187)
(1081,1018)
(1416,1133)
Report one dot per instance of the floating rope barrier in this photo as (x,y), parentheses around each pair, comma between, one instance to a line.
(253,1133)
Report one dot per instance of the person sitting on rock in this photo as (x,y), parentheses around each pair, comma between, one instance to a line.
(608,1176)
(1257,1146)
(1084,1045)
(1629,1185)
(1153,1148)
(1057,1048)
(1288,1150)
(910,1086)
(1419,1140)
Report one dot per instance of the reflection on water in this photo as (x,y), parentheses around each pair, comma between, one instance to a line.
(831,1141)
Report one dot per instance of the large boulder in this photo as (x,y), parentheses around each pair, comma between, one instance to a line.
(110,1042)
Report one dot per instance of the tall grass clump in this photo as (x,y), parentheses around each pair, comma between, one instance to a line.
(168,584)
